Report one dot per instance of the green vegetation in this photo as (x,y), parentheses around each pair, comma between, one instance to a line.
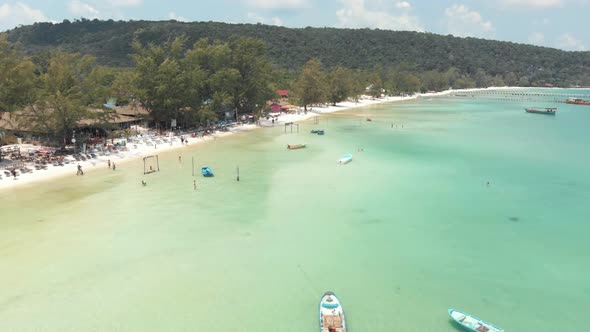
(56,75)
(191,86)
(361,49)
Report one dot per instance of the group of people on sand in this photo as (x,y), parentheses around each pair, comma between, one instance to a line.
(109,165)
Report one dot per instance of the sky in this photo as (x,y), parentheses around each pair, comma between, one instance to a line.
(562,24)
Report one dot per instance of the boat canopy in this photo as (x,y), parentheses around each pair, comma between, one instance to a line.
(330,305)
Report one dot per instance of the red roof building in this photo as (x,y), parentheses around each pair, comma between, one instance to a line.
(283,93)
(275,108)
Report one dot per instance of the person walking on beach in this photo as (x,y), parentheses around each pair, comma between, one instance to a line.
(109,163)
(80,171)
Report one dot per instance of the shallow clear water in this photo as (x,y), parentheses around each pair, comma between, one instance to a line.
(405,231)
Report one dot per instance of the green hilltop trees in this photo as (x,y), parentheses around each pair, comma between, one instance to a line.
(190,86)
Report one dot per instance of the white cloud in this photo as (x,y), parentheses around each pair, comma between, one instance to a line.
(255,18)
(570,43)
(277,4)
(82,9)
(356,14)
(12,15)
(173,16)
(462,21)
(125,3)
(532,4)
(277,21)
(537,38)
(403,5)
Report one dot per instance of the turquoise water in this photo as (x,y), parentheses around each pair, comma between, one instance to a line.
(405,231)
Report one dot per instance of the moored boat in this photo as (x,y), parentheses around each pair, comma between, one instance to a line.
(345,159)
(471,323)
(206,171)
(577,101)
(331,314)
(296,146)
(318,131)
(546,110)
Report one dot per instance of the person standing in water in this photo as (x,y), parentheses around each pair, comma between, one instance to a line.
(194,184)
(114,167)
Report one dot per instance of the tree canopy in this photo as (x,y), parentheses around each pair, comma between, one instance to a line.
(287,48)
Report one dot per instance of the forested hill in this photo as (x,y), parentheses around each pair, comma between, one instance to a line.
(110,42)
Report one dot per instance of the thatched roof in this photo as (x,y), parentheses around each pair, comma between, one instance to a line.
(25,120)
(131,110)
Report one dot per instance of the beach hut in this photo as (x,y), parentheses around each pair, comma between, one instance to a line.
(284,94)
(275,108)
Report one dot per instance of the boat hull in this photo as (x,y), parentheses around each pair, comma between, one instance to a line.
(471,323)
(331,314)
(578,102)
(296,146)
(345,159)
(546,111)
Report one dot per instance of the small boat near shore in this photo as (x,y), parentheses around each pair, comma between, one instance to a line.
(471,323)
(207,171)
(296,146)
(546,110)
(318,131)
(331,314)
(345,159)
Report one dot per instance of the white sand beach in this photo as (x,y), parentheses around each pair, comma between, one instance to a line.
(141,149)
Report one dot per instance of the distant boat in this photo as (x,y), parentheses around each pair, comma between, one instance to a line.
(345,159)
(471,323)
(547,110)
(318,131)
(296,146)
(207,171)
(331,314)
(577,101)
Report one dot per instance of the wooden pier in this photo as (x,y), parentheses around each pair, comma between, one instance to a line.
(520,96)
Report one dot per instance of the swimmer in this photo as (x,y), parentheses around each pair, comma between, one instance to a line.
(143,183)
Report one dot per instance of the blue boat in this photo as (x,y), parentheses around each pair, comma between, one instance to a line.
(331,314)
(472,324)
(548,110)
(207,171)
(318,131)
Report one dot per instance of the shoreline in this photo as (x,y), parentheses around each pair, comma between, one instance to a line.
(142,150)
